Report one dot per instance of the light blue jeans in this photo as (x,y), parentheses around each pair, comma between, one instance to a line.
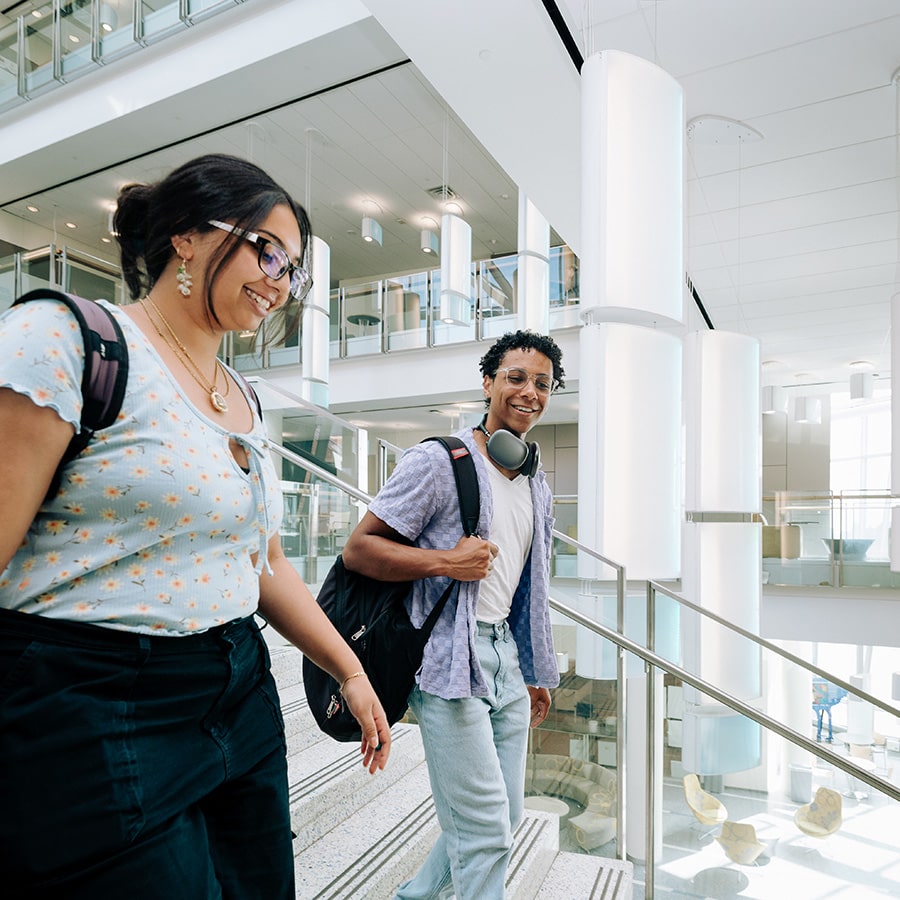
(475,748)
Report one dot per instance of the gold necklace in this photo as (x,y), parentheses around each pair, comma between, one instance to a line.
(216,399)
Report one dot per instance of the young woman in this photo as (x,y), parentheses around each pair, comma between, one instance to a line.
(142,751)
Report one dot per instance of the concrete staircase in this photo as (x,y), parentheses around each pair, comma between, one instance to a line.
(360,835)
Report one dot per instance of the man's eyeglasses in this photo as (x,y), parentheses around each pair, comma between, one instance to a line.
(518,378)
(273,260)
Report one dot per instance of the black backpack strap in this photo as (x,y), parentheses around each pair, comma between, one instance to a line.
(469,510)
(466,481)
(105,368)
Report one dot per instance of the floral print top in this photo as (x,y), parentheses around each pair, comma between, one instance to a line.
(155,524)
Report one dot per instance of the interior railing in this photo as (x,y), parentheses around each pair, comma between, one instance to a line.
(781,742)
(837,538)
(655,664)
(53,42)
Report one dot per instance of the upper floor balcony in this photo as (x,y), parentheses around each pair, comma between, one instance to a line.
(51,43)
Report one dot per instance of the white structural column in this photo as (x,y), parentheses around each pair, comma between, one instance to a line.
(315,353)
(895,431)
(629,425)
(722,545)
(533,282)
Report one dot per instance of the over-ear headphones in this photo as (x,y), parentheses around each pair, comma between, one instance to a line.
(510,451)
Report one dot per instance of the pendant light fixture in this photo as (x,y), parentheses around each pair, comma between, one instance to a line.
(371,230)
(428,239)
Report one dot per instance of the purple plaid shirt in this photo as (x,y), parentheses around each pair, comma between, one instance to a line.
(420,501)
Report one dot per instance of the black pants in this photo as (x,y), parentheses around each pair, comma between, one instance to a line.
(140,767)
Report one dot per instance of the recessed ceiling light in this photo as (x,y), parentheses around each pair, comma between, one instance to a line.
(71,225)
(106,240)
(74,38)
(36,13)
(32,208)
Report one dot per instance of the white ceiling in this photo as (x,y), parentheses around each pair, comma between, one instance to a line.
(792,238)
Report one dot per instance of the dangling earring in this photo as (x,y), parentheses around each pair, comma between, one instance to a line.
(184,279)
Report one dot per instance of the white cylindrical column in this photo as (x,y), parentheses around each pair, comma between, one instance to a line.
(721,572)
(316,321)
(629,461)
(895,431)
(629,420)
(533,282)
(723,439)
(632,146)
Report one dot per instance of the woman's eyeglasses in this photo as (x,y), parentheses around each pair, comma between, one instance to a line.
(273,260)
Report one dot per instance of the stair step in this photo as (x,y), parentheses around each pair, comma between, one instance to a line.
(359,835)
(577,876)
(365,855)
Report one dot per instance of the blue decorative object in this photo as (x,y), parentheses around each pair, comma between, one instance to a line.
(825,695)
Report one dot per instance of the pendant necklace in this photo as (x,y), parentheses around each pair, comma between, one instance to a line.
(216,399)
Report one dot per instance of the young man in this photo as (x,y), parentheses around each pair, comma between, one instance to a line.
(489,662)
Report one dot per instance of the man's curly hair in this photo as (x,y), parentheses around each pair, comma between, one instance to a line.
(523,340)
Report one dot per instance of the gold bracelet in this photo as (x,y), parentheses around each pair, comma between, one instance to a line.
(349,678)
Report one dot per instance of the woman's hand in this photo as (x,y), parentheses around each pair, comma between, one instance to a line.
(363,703)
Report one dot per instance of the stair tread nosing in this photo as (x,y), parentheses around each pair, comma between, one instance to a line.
(578,876)
(327,781)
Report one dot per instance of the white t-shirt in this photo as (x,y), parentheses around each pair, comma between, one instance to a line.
(155,522)
(512,529)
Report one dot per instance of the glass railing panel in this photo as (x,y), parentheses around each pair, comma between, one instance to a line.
(8,290)
(9,63)
(38,48)
(387,455)
(827,539)
(38,269)
(453,318)
(318,519)
(861,546)
(90,277)
(74,37)
(788,823)
(564,286)
(315,435)
(795,532)
(748,773)
(197,9)
(406,312)
(335,318)
(159,18)
(564,557)
(115,29)
(363,317)
(497,298)
(835,707)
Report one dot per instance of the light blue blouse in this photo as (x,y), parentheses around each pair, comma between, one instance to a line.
(155,524)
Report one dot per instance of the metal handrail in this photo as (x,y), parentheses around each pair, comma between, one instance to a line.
(656,587)
(319,472)
(653,661)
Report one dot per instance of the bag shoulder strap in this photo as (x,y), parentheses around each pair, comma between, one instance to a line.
(466,481)
(469,509)
(105,369)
